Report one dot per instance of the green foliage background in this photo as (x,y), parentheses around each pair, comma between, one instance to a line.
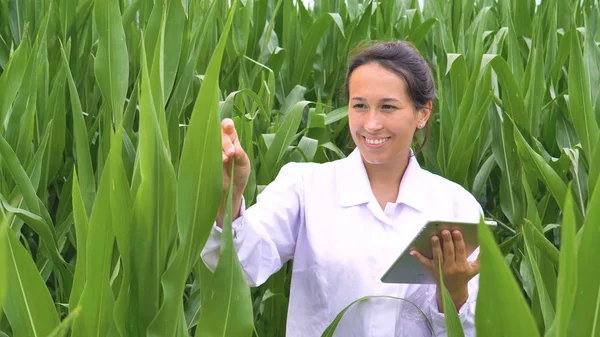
(110,152)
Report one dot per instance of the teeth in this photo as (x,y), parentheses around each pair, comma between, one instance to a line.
(376,141)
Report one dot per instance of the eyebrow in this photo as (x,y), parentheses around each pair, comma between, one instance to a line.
(383,100)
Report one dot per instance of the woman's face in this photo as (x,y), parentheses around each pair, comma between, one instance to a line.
(381,115)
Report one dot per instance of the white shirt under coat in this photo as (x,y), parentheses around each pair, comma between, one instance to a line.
(326,218)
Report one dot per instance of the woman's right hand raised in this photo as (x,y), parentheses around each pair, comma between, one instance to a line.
(233,154)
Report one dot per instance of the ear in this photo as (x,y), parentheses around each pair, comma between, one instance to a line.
(425,113)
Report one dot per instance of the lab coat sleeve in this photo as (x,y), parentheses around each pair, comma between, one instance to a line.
(265,234)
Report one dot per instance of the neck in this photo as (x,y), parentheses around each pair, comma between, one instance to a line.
(387,173)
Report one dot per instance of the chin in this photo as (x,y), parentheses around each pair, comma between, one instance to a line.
(373,159)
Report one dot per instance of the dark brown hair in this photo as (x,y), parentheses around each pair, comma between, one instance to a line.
(404,60)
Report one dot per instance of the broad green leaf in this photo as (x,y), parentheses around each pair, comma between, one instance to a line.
(40,227)
(112,63)
(81,233)
(534,74)
(453,324)
(330,331)
(482,176)
(67,11)
(228,309)
(336,115)
(512,96)
(283,139)
(567,270)
(580,103)
(585,319)
(65,326)
(504,149)
(500,300)
(591,56)
(156,77)
(534,163)
(199,189)
(28,305)
(154,208)
(12,77)
(97,299)
(56,111)
(34,204)
(307,54)
(3,261)
(546,304)
(122,209)
(81,148)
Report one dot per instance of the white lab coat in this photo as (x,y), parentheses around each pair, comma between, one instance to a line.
(326,218)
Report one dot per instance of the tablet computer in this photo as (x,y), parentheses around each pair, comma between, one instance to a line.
(407,269)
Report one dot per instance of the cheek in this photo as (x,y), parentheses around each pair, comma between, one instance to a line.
(353,123)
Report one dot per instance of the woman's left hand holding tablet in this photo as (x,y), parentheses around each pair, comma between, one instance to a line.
(450,250)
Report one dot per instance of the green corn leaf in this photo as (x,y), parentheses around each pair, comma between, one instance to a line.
(512,96)
(12,77)
(28,306)
(453,324)
(3,261)
(307,53)
(198,191)
(81,231)
(504,149)
(580,103)
(591,56)
(228,309)
(500,299)
(84,159)
(283,139)
(56,111)
(585,319)
(547,308)
(34,204)
(97,299)
(329,332)
(156,77)
(112,63)
(568,270)
(122,210)
(67,10)
(38,225)
(154,208)
(536,164)
(336,115)
(65,326)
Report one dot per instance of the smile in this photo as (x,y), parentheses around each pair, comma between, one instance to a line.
(376,141)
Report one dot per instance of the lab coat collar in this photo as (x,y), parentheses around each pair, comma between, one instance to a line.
(355,187)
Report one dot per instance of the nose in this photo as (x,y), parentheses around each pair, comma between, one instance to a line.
(373,122)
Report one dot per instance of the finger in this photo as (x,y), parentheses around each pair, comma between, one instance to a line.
(227,126)
(227,144)
(459,247)
(448,248)
(225,157)
(436,250)
(475,267)
(422,259)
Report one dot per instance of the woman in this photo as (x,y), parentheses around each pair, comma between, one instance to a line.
(345,222)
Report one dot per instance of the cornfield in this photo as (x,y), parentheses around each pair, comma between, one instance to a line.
(110,152)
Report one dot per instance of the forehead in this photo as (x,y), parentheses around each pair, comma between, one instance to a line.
(375,80)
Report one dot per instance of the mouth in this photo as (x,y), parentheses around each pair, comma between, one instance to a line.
(375,142)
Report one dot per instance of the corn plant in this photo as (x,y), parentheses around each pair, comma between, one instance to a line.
(110,171)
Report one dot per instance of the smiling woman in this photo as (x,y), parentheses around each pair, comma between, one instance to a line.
(344,222)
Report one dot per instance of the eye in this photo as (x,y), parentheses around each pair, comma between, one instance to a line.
(359,106)
(388,107)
